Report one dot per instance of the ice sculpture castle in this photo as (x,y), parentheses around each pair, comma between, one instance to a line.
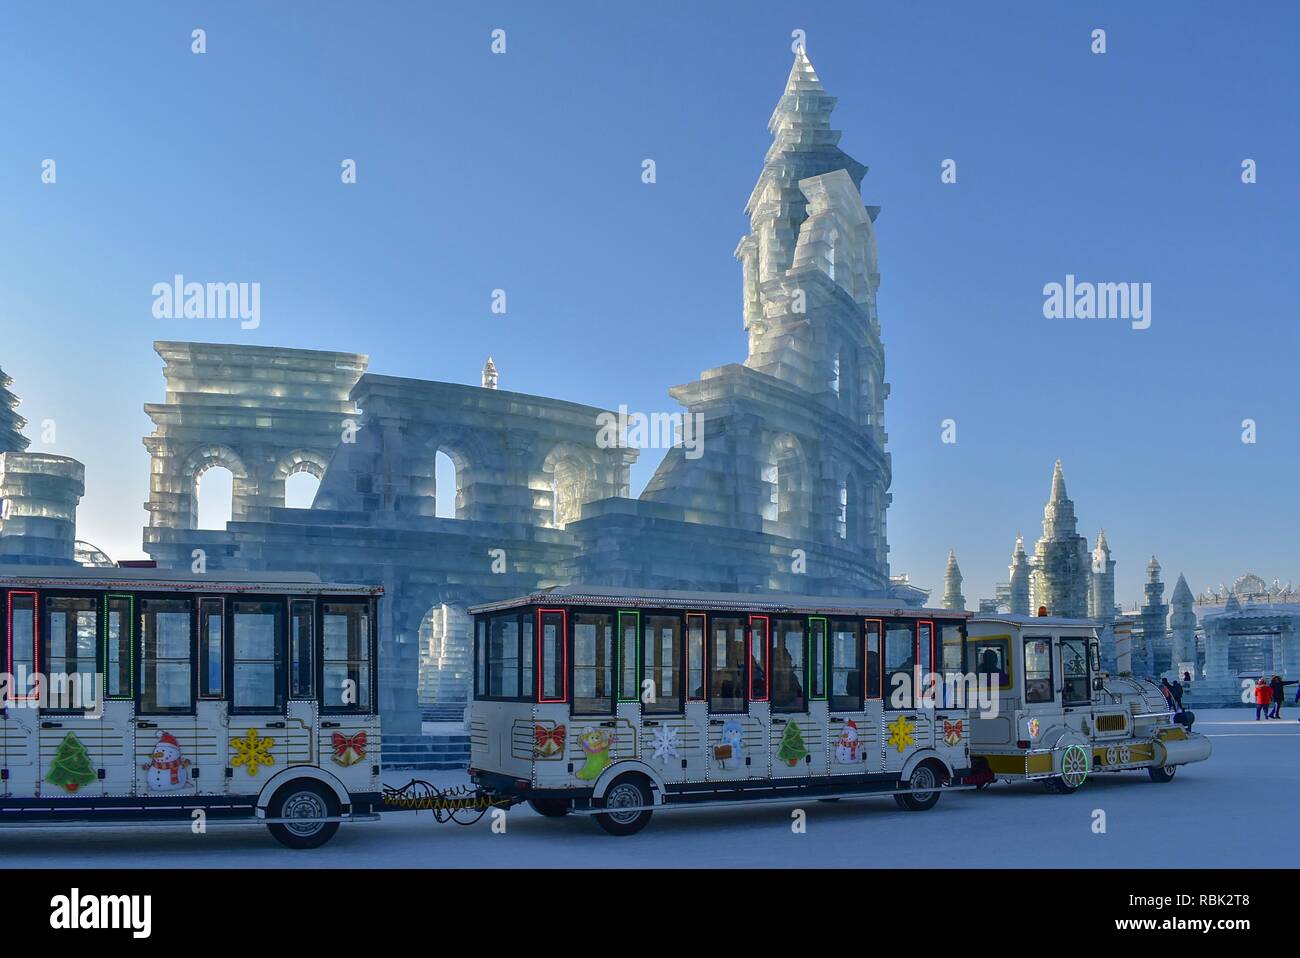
(790,493)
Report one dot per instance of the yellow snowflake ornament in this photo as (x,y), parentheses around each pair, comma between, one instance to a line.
(254,751)
(900,733)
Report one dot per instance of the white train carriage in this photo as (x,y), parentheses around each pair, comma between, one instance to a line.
(144,696)
(617,702)
(1060,718)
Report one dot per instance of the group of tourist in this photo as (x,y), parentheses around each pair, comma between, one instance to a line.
(1269,694)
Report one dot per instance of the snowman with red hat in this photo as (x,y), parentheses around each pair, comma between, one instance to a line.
(168,770)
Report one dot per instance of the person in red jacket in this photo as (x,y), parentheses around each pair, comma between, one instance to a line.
(1263,697)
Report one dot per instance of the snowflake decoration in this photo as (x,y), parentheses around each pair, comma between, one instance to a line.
(900,733)
(254,751)
(666,742)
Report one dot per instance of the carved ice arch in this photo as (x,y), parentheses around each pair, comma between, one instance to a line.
(210,456)
(785,473)
(569,478)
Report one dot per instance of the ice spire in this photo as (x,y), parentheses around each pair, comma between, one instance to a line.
(11,424)
(489,374)
(952,597)
(1182,627)
(1019,573)
(1058,515)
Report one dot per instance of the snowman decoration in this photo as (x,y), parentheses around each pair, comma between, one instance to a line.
(168,770)
(846,747)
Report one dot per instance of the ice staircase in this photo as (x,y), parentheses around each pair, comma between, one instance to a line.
(438,750)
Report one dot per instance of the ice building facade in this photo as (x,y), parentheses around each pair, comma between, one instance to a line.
(787,490)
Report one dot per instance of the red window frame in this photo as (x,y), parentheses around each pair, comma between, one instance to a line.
(540,660)
(704,657)
(879,624)
(36,637)
(767,656)
(919,690)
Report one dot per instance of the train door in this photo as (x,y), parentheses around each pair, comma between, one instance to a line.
(72,730)
(669,738)
(165,739)
(349,736)
(853,738)
(20,721)
(208,768)
(953,703)
(258,732)
(1039,671)
(737,707)
(117,663)
(906,724)
(797,741)
(300,733)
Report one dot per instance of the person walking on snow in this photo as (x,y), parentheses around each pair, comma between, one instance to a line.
(1263,697)
(1279,692)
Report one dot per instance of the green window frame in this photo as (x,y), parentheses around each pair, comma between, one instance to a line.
(121,665)
(629,655)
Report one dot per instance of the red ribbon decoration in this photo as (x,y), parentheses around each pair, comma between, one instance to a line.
(542,736)
(343,744)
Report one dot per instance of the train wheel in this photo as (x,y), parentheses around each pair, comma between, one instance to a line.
(550,807)
(305,800)
(1162,773)
(1075,766)
(629,792)
(924,782)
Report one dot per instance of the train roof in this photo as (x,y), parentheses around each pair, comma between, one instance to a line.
(143,580)
(727,601)
(1032,621)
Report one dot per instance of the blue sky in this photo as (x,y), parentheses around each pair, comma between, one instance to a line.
(522,172)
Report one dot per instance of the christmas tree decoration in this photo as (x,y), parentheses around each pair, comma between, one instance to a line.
(666,742)
(792,750)
(253,751)
(902,733)
(167,769)
(595,743)
(348,749)
(71,768)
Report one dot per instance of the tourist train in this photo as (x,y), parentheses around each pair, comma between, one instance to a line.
(149,697)
(143,696)
(617,703)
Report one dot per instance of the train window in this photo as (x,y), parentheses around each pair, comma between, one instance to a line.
(873,635)
(552,656)
(662,650)
(1038,670)
(817,659)
(758,629)
(22,637)
(70,634)
(1076,689)
(695,658)
(302,642)
(258,656)
(480,658)
(165,667)
(727,680)
(212,661)
(629,628)
(527,691)
(788,667)
(991,657)
(846,666)
(593,662)
(926,660)
(952,663)
(900,665)
(503,657)
(345,657)
(118,643)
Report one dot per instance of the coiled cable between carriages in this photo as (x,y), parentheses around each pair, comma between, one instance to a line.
(447,805)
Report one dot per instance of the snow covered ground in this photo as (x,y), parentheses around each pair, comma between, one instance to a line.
(1214,814)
